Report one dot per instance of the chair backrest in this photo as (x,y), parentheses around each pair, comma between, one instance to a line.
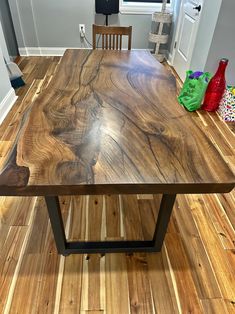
(112,36)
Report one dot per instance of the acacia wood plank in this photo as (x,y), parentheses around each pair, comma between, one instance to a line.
(162,293)
(230,305)
(38,236)
(8,206)
(78,218)
(189,302)
(91,290)
(140,298)
(113,228)
(221,222)
(223,137)
(90,113)
(228,204)
(70,301)
(33,283)
(117,295)
(95,217)
(93,262)
(171,282)
(4,229)
(9,255)
(131,218)
(214,306)
(16,211)
(22,215)
(27,284)
(47,292)
(203,273)
(148,210)
(223,271)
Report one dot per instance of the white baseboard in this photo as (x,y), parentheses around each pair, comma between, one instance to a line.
(6,104)
(44,51)
(48,51)
(23,52)
(169,59)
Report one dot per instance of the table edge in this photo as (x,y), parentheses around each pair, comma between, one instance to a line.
(100,189)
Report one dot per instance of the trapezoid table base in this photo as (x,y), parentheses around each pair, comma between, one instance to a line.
(87,247)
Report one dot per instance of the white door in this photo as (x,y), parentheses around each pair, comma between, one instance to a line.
(186,35)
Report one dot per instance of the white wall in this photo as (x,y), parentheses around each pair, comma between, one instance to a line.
(223,42)
(176,12)
(8,30)
(7,93)
(5,85)
(208,20)
(3,44)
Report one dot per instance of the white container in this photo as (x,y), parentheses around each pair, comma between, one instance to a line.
(160,39)
(160,17)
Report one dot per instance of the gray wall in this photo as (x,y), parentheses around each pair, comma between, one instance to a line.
(5,17)
(223,42)
(208,20)
(215,38)
(54,23)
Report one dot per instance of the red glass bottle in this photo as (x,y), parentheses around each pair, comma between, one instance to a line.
(216,88)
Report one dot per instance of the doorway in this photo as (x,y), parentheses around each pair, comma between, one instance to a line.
(186,33)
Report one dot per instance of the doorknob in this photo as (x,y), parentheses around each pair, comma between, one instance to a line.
(199,7)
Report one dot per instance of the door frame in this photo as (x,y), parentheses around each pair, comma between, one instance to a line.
(178,26)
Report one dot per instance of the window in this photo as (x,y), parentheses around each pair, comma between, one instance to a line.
(141,6)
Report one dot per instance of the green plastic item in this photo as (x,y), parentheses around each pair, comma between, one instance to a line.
(193,91)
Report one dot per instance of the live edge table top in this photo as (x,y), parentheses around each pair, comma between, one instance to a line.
(109,122)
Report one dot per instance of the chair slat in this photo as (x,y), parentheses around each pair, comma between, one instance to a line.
(106,41)
(112,36)
(110,41)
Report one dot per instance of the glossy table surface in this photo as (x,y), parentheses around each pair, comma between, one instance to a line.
(109,122)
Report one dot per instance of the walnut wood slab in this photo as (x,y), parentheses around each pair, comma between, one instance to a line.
(109,122)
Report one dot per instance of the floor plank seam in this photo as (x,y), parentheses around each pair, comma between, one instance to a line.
(17,269)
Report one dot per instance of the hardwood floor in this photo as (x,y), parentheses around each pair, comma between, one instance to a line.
(194,273)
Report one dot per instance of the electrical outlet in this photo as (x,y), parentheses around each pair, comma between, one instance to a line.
(82,30)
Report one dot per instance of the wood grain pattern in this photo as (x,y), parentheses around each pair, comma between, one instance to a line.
(140,299)
(206,275)
(109,121)
(189,302)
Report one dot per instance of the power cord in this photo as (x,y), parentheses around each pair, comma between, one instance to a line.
(83,35)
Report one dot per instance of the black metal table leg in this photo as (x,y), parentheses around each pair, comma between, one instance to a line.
(53,207)
(82,247)
(163,219)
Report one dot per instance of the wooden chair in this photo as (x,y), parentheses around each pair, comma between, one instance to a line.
(112,36)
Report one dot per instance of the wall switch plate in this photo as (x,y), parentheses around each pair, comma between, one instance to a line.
(82,30)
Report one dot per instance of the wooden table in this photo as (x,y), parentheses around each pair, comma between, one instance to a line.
(109,123)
